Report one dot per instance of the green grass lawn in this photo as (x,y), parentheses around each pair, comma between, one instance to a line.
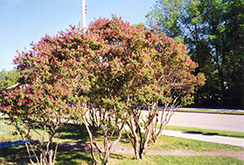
(17,155)
(173,143)
(177,160)
(68,134)
(75,134)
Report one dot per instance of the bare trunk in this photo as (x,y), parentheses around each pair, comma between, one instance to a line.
(133,138)
(144,141)
(91,142)
(106,147)
(106,157)
(161,123)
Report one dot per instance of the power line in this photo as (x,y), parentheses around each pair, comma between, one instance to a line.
(91,5)
(46,27)
(11,10)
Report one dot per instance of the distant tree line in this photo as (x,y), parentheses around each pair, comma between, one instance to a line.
(213,31)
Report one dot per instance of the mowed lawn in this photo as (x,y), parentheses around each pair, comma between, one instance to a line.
(75,135)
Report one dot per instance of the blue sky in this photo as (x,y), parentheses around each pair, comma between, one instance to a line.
(23,21)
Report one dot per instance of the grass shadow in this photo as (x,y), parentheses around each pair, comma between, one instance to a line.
(73,157)
(14,155)
(117,156)
(76,132)
(199,132)
(18,155)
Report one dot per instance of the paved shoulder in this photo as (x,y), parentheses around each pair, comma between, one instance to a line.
(208,121)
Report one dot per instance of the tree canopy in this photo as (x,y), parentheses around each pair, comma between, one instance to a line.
(135,68)
(213,32)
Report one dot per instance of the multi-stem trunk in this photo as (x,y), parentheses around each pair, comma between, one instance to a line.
(138,139)
(107,135)
(132,136)
(108,145)
(161,120)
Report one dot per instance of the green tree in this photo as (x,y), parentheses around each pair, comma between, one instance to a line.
(213,32)
(234,52)
(8,78)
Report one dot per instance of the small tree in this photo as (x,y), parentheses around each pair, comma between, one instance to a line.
(52,80)
(134,68)
(113,66)
(172,84)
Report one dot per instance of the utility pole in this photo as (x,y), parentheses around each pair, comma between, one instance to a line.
(83,13)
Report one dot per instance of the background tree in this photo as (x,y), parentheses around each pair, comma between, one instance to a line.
(8,78)
(206,28)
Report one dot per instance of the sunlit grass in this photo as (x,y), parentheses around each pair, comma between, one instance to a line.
(172,143)
(206,131)
(177,160)
(17,155)
(76,134)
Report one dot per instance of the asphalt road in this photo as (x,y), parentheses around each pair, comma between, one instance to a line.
(208,121)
